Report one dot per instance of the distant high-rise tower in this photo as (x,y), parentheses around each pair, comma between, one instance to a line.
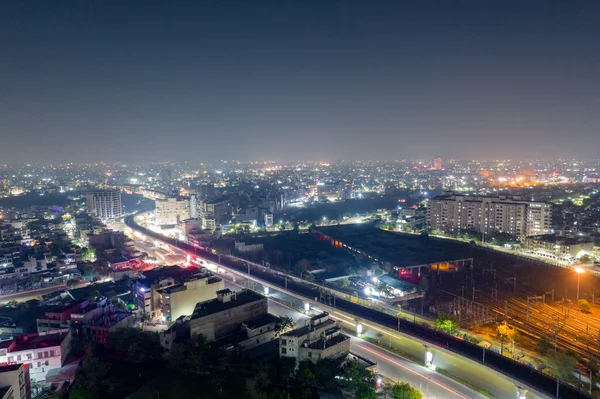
(437,164)
(105,204)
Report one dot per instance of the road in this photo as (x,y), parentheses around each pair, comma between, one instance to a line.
(24,296)
(395,367)
(391,366)
(459,351)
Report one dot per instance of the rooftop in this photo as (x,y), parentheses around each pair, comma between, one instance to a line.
(397,248)
(10,367)
(299,332)
(562,240)
(262,321)
(328,343)
(33,341)
(241,298)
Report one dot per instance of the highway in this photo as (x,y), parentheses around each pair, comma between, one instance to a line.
(520,373)
(393,367)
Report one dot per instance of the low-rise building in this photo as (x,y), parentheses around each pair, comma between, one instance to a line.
(150,294)
(223,316)
(40,352)
(181,299)
(559,248)
(320,338)
(99,329)
(15,381)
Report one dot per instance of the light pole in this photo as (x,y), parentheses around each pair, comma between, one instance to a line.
(579,272)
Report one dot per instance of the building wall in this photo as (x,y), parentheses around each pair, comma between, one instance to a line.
(105,204)
(219,324)
(171,211)
(331,352)
(19,381)
(489,215)
(182,303)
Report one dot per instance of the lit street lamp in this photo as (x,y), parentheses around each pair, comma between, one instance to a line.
(579,272)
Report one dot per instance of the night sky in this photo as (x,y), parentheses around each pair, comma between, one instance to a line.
(200,81)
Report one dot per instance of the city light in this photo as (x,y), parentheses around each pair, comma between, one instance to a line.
(579,270)
(359,329)
(306,306)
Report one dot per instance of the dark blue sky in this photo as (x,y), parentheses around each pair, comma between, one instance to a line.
(209,80)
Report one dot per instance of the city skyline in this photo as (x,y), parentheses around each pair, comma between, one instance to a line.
(140,82)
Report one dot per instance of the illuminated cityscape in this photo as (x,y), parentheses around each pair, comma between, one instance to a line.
(299,200)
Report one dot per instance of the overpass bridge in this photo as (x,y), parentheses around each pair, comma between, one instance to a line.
(521,375)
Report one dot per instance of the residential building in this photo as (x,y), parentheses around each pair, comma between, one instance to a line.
(268,219)
(40,352)
(15,381)
(99,329)
(224,315)
(512,215)
(171,211)
(180,299)
(559,248)
(214,213)
(320,338)
(149,283)
(104,204)
(59,318)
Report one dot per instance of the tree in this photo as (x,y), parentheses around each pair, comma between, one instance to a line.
(71,283)
(356,375)
(583,306)
(447,324)
(89,376)
(404,390)
(561,364)
(379,336)
(285,323)
(543,346)
(365,392)
(505,332)
(89,254)
(586,259)
(139,345)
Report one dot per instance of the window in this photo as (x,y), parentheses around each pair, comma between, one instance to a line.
(283,351)
(11,359)
(40,355)
(18,358)
(39,364)
(29,356)
(283,342)
(46,363)
(46,354)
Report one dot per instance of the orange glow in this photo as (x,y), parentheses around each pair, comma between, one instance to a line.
(579,270)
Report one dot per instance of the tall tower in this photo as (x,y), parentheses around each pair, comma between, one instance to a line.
(437,164)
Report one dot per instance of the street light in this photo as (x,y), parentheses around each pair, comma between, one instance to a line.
(579,272)
(359,329)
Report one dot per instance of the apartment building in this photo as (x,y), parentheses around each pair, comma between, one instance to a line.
(15,381)
(320,338)
(181,299)
(214,213)
(512,215)
(225,314)
(171,211)
(41,353)
(104,204)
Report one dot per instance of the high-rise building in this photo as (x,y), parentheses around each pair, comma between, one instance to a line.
(104,204)
(437,163)
(171,211)
(512,215)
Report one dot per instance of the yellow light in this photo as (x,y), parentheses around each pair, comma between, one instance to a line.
(579,270)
